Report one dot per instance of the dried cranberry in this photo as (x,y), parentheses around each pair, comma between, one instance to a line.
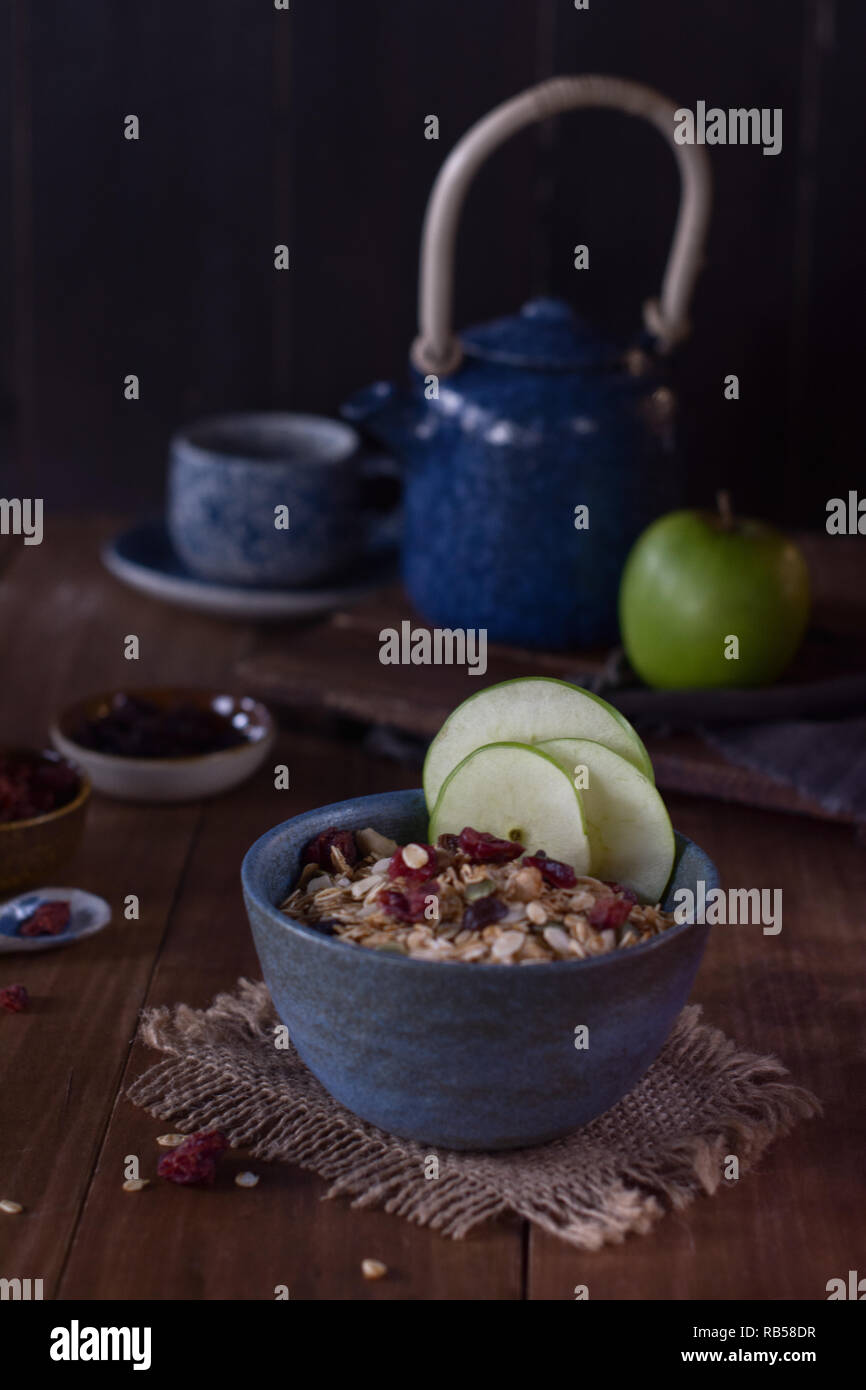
(207,1142)
(318,851)
(187,1168)
(32,784)
(487,849)
(49,919)
(398,868)
(608,912)
(482,912)
(395,904)
(194,1161)
(14,999)
(136,727)
(553,871)
(450,843)
(409,905)
(627,893)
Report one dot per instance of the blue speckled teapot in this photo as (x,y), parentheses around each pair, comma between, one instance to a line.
(534,451)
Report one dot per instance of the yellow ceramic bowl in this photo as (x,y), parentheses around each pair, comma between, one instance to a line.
(32,850)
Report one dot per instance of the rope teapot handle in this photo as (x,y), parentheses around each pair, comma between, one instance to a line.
(437,349)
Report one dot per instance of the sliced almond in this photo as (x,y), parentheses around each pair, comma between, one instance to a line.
(472,952)
(578,925)
(338,859)
(505,946)
(309,871)
(418,938)
(527,884)
(363,885)
(558,940)
(369,841)
(415,856)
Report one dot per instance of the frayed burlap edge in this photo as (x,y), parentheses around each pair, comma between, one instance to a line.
(588,1189)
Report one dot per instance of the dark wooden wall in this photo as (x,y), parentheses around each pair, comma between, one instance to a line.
(306,127)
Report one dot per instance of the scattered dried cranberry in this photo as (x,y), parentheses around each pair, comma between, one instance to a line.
(194,1161)
(398,868)
(14,999)
(49,919)
(608,912)
(318,851)
(482,912)
(627,893)
(487,849)
(207,1142)
(408,906)
(553,871)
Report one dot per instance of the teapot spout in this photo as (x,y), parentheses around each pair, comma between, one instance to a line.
(383,413)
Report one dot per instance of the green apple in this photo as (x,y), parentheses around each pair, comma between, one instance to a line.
(527,711)
(707,599)
(630,836)
(516,792)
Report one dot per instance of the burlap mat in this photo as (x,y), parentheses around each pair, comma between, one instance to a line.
(657,1149)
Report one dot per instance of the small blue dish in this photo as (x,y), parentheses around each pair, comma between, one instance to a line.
(465,1056)
(88,914)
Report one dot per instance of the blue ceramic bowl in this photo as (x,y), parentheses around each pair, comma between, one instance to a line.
(462,1055)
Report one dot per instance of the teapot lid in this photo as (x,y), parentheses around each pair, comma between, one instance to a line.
(545,334)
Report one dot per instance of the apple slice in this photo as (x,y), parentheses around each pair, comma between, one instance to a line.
(515,792)
(630,835)
(528,710)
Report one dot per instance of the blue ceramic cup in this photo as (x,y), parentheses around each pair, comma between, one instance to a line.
(469,1056)
(276,500)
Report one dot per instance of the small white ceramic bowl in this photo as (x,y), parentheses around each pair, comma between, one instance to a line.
(170,779)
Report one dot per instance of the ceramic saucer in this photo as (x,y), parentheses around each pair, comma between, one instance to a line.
(87,915)
(144,558)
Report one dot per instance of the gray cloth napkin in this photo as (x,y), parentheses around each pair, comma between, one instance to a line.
(811,735)
(823,760)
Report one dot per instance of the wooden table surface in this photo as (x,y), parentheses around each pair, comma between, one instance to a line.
(66,1127)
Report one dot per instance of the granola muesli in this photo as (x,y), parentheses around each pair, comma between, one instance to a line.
(470,897)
